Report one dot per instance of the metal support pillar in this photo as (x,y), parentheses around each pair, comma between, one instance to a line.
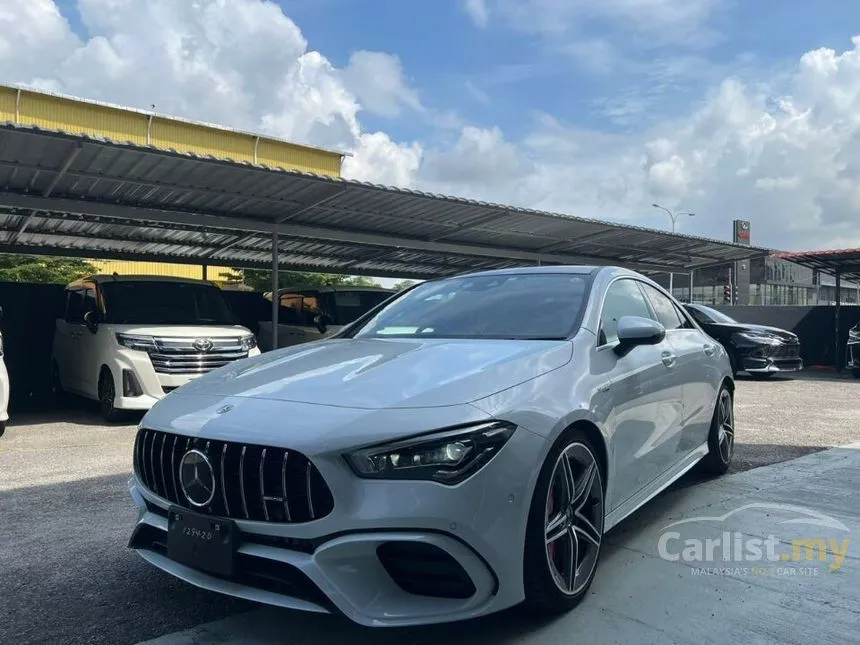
(838,344)
(690,299)
(205,272)
(275,264)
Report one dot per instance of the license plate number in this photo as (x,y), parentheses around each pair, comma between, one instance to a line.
(201,542)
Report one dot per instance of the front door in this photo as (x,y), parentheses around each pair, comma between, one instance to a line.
(642,399)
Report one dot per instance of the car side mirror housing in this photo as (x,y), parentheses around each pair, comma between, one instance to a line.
(635,330)
(322,322)
(92,320)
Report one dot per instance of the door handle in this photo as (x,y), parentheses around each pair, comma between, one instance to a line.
(710,349)
(668,359)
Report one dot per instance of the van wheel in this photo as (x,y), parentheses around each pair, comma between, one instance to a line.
(59,397)
(107,398)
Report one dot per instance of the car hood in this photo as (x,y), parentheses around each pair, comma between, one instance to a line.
(734,328)
(182,331)
(385,373)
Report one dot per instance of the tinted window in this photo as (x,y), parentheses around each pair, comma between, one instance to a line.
(517,306)
(89,300)
(667,315)
(623,298)
(704,315)
(75,307)
(350,305)
(289,312)
(164,303)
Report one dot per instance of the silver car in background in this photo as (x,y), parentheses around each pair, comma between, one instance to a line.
(458,450)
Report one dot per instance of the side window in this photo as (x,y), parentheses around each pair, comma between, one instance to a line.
(310,307)
(623,298)
(89,299)
(75,307)
(667,315)
(290,309)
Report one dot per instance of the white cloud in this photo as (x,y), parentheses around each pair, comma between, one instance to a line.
(241,63)
(783,152)
(377,81)
(478,12)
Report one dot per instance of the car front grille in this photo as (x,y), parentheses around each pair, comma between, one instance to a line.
(785,351)
(251,482)
(180,356)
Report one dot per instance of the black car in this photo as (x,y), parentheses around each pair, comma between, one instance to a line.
(758,350)
(852,350)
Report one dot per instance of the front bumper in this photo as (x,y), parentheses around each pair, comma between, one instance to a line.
(852,355)
(390,553)
(151,385)
(766,358)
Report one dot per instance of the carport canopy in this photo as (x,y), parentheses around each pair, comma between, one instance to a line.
(83,196)
(76,195)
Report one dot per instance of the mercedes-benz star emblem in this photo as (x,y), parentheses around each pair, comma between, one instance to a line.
(203,344)
(196,478)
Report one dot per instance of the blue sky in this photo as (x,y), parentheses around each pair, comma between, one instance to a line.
(499,75)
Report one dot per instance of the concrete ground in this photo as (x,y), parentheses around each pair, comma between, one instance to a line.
(66,575)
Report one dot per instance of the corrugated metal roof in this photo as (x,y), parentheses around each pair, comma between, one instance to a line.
(73,194)
(846,262)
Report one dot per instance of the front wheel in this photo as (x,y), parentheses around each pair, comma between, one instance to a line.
(107,398)
(565,527)
(721,438)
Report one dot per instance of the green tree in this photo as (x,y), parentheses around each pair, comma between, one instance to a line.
(43,269)
(261,280)
(403,284)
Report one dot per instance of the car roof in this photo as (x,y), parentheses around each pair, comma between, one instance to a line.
(328,289)
(101,278)
(576,269)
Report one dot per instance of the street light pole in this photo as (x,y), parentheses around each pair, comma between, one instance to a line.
(674,217)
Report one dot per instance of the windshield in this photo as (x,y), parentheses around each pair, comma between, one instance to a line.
(543,306)
(704,314)
(164,303)
(350,305)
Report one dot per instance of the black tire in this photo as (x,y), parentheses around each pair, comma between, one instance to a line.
(59,397)
(721,438)
(541,577)
(107,398)
(2,428)
(856,372)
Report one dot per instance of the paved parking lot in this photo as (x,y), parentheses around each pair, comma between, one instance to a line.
(66,575)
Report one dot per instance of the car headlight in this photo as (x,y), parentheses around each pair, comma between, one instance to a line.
(139,343)
(754,337)
(248,342)
(447,457)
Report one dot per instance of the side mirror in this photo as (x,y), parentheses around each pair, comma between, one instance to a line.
(322,322)
(634,331)
(92,320)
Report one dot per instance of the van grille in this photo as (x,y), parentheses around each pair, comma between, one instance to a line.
(252,482)
(180,356)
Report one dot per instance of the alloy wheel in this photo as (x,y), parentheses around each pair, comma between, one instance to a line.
(725,427)
(574,518)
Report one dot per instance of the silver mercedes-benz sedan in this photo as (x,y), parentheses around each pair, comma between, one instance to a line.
(458,450)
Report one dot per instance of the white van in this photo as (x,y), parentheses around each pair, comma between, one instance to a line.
(311,313)
(126,341)
(4,385)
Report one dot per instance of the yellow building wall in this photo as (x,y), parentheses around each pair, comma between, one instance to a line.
(194,271)
(53,112)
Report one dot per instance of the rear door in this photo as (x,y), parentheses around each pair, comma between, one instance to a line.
(693,352)
(640,397)
(87,347)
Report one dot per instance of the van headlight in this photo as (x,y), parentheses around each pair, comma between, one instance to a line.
(248,342)
(139,343)
(447,457)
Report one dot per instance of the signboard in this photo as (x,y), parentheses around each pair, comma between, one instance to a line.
(741,232)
